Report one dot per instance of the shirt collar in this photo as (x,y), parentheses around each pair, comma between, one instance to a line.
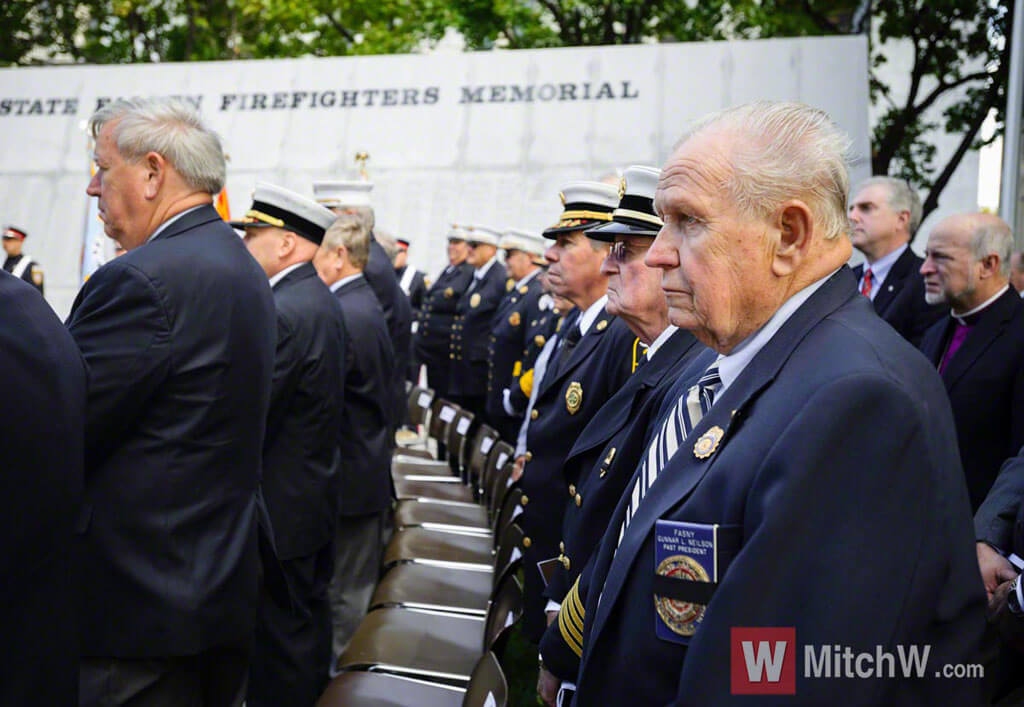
(590,315)
(662,338)
(526,279)
(961,317)
(344,281)
(881,267)
(481,271)
(731,366)
(163,226)
(284,273)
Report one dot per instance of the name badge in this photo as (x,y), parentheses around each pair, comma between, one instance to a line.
(685,558)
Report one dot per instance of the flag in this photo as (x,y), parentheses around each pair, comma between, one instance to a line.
(221,204)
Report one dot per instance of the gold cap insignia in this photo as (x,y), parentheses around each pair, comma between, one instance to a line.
(622,187)
(514,319)
(573,397)
(539,341)
(602,325)
(708,442)
(474,301)
(509,284)
(680,616)
(449,293)
(561,195)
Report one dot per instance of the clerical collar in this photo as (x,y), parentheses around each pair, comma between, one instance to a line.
(962,318)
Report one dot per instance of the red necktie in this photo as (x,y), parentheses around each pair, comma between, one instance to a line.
(865,286)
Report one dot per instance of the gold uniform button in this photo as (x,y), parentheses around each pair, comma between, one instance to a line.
(561,546)
(534,415)
(527,542)
(572,489)
(579,500)
(565,563)
(451,356)
(529,456)
(524,500)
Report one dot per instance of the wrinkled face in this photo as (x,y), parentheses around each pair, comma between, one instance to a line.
(872,221)
(121,188)
(263,244)
(574,265)
(715,262)
(633,288)
(949,268)
(12,246)
(457,251)
(518,263)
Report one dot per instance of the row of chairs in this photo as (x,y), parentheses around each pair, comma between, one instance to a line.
(449,593)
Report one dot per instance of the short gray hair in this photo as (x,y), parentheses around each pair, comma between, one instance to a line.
(169,127)
(388,243)
(992,236)
(350,231)
(363,213)
(899,195)
(785,151)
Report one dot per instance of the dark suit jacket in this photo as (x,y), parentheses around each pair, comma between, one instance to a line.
(471,332)
(365,436)
(301,461)
(41,487)
(507,349)
(433,335)
(837,469)
(985,383)
(598,366)
(380,273)
(179,336)
(901,299)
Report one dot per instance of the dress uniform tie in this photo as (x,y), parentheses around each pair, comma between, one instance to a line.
(865,286)
(686,414)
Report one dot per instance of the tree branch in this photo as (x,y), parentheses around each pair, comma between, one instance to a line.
(340,28)
(943,87)
(821,20)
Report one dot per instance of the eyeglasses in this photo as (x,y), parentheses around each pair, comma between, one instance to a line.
(619,253)
(471,244)
(455,241)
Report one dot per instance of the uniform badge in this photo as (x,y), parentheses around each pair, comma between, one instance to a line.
(37,275)
(514,319)
(449,293)
(708,442)
(602,325)
(539,341)
(509,284)
(523,290)
(474,301)
(427,282)
(573,397)
(622,187)
(680,616)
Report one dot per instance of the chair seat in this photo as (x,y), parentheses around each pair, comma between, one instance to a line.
(367,689)
(412,453)
(405,466)
(440,490)
(434,587)
(413,642)
(419,512)
(439,546)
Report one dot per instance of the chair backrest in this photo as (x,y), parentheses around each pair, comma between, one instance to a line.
(480,451)
(509,554)
(458,433)
(442,412)
(506,608)
(511,500)
(487,685)
(499,482)
(420,400)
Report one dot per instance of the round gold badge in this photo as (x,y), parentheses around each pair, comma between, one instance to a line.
(680,616)
(539,341)
(602,325)
(509,284)
(514,319)
(474,301)
(523,290)
(449,293)
(708,442)
(573,397)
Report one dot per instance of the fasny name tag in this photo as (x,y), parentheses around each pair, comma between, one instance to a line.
(684,551)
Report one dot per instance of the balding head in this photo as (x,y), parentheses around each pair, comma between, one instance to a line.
(967,260)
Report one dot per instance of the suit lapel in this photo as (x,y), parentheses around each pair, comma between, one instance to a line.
(986,331)
(685,470)
(579,354)
(894,280)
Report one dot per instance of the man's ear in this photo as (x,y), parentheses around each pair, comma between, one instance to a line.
(795,226)
(287,244)
(156,167)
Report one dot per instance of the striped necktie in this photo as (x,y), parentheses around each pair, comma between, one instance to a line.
(686,414)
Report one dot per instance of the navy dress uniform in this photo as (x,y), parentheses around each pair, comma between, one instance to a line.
(352,195)
(301,464)
(893,507)
(41,487)
(577,381)
(433,333)
(412,281)
(21,265)
(471,328)
(538,331)
(507,351)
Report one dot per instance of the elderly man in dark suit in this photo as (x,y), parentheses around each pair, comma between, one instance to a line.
(978,346)
(179,336)
(41,488)
(364,434)
(301,458)
(884,215)
(807,481)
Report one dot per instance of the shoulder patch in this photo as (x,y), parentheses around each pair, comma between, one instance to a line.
(37,275)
